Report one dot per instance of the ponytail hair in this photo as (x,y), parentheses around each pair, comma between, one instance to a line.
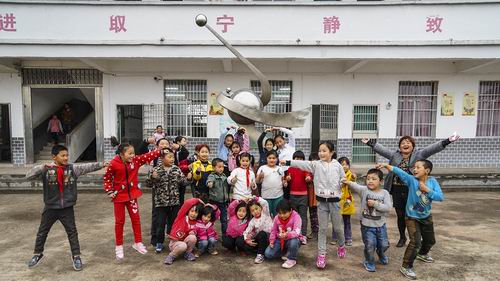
(245,155)
(120,147)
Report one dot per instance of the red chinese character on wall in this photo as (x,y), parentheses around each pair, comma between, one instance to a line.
(331,24)
(434,24)
(117,24)
(8,22)
(225,21)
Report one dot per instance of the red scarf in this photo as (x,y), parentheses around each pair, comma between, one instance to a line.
(282,228)
(60,177)
(248,177)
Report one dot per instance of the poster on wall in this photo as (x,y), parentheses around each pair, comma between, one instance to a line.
(469,104)
(214,108)
(224,122)
(447,104)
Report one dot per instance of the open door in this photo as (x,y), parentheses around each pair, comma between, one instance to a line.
(130,124)
(5,136)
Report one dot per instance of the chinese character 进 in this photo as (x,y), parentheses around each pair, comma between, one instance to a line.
(331,24)
(8,22)
(117,24)
(225,21)
(434,24)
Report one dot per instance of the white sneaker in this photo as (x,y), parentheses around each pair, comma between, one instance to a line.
(139,247)
(259,259)
(119,252)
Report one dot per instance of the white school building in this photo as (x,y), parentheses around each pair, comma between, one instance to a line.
(379,69)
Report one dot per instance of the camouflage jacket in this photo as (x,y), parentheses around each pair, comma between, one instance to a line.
(166,185)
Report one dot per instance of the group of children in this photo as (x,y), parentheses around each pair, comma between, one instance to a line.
(262,212)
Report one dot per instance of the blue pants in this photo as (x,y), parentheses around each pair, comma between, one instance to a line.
(291,246)
(209,244)
(375,239)
(223,215)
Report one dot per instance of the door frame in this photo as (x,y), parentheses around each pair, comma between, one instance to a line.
(9,106)
(28,118)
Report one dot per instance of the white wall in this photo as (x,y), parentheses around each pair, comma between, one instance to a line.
(273,30)
(10,92)
(127,90)
(345,90)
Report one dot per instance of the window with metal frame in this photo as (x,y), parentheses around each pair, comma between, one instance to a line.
(365,124)
(328,121)
(417,105)
(152,116)
(488,109)
(281,97)
(186,108)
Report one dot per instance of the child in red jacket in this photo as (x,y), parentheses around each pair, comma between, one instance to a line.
(297,184)
(121,185)
(183,233)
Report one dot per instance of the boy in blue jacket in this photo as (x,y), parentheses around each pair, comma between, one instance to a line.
(422,190)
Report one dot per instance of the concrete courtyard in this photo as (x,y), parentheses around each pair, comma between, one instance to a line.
(467,228)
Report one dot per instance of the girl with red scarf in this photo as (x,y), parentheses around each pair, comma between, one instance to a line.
(243,178)
(285,235)
(122,186)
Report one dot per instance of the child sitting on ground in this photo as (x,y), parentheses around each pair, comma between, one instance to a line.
(205,232)
(285,235)
(183,234)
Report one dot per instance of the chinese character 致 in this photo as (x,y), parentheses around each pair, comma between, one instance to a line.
(225,21)
(8,22)
(117,24)
(331,24)
(434,24)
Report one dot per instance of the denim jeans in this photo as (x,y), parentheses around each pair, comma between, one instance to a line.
(209,244)
(291,246)
(375,239)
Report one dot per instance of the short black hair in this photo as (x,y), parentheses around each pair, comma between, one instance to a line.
(376,172)
(427,164)
(233,144)
(168,151)
(216,161)
(299,154)
(159,126)
(158,141)
(284,206)
(313,156)
(344,159)
(58,148)
(272,152)
(207,210)
(178,139)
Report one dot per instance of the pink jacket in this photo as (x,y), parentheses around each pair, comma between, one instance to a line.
(206,230)
(293,228)
(235,226)
(244,142)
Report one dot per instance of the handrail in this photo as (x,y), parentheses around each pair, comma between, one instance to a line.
(80,137)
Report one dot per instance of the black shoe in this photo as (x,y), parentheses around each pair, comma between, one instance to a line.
(77,263)
(401,243)
(35,260)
